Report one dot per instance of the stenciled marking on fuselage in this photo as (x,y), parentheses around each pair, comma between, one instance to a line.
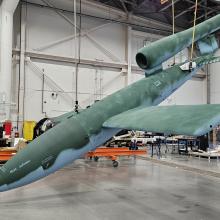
(165,93)
(24,164)
(19,167)
(157,83)
(68,156)
(65,157)
(13,170)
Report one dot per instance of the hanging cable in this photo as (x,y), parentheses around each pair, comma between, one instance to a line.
(77,51)
(173,16)
(194,32)
(80,27)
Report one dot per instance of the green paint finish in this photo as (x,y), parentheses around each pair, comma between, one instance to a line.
(66,116)
(186,120)
(44,150)
(74,133)
(161,50)
(74,130)
(146,92)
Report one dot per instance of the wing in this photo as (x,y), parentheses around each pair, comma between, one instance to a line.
(194,120)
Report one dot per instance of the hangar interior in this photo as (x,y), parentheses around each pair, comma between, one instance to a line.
(62,56)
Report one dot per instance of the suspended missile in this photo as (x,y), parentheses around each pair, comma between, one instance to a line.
(75,134)
(150,57)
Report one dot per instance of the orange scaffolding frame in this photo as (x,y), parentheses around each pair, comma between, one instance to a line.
(109,152)
(6,155)
(113,153)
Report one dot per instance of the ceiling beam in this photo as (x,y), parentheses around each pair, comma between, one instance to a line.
(124,6)
(145,24)
(203,6)
(169,5)
(184,12)
(149,21)
(114,66)
(202,16)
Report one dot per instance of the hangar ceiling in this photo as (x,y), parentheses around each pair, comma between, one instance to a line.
(184,9)
(160,10)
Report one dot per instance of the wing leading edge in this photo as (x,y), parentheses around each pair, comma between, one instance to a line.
(193,120)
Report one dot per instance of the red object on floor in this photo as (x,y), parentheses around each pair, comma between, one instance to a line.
(7,127)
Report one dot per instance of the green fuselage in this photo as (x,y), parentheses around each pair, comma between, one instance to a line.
(79,133)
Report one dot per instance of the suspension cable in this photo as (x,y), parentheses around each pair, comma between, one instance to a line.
(173,16)
(194,31)
(79,58)
(77,52)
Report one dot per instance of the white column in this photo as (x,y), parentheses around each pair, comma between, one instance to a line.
(7,9)
(21,89)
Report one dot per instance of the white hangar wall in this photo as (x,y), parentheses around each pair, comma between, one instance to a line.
(47,87)
(215,81)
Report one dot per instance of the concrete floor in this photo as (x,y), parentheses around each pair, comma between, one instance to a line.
(212,165)
(191,161)
(137,189)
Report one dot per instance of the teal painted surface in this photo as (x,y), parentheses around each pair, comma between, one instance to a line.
(43,151)
(76,130)
(157,52)
(186,120)
(75,134)
(57,120)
